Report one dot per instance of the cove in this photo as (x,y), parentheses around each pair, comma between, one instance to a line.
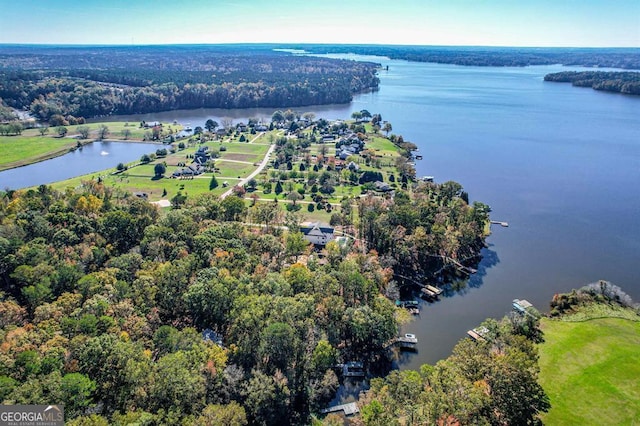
(90,158)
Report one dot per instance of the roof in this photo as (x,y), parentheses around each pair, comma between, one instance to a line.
(324,229)
(349,409)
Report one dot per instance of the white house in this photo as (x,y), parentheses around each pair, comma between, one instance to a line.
(316,234)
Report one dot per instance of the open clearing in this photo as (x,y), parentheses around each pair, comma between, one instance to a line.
(590,371)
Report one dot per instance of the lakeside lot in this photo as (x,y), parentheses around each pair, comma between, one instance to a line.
(589,365)
(301,164)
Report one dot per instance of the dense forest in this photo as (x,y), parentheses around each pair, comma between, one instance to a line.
(99,81)
(127,315)
(625,58)
(619,82)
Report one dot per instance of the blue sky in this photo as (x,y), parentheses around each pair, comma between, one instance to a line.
(591,23)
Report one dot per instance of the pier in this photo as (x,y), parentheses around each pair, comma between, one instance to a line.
(525,307)
(478,334)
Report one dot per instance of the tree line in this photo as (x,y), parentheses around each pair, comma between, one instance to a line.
(619,82)
(625,58)
(145,80)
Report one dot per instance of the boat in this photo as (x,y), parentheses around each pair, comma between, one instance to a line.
(104,153)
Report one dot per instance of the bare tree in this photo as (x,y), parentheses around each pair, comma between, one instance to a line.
(227,122)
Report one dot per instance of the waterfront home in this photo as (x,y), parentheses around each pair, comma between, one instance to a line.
(381,186)
(316,234)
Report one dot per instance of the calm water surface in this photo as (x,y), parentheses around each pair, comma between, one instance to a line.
(561,164)
(91,158)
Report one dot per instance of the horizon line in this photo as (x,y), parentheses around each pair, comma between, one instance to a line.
(30,44)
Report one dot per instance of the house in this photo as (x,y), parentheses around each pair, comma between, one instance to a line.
(316,234)
(241,127)
(261,128)
(344,155)
(381,186)
(211,336)
(201,156)
(353,166)
(221,131)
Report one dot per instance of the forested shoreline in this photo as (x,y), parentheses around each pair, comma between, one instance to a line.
(618,82)
(101,81)
(105,300)
(624,58)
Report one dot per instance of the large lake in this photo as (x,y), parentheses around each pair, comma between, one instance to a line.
(561,164)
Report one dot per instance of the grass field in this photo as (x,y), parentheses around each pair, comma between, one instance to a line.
(17,151)
(591,369)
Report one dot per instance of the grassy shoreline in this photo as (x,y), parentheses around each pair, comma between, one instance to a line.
(32,147)
(589,365)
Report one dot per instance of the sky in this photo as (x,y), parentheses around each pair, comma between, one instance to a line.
(541,23)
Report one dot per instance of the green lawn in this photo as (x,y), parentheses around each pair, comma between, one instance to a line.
(20,150)
(382,146)
(591,371)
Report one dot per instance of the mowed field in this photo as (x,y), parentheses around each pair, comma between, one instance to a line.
(591,370)
(21,150)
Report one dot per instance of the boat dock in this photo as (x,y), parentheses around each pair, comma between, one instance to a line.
(525,307)
(352,369)
(426,292)
(436,290)
(408,341)
(521,305)
(478,334)
(348,409)
(503,224)
(410,305)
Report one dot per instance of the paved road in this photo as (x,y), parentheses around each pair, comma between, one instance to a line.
(255,173)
